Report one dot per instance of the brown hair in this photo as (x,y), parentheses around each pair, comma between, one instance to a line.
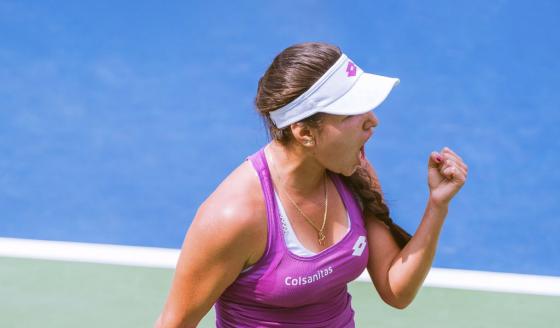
(291,73)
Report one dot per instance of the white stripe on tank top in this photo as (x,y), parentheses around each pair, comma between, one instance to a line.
(292,243)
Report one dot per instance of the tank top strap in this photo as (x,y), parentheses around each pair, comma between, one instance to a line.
(258,160)
(348,198)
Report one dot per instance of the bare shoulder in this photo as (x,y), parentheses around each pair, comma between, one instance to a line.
(238,197)
(227,234)
(236,211)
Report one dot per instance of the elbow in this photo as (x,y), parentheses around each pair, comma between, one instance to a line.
(402,300)
(397,303)
(400,304)
(398,300)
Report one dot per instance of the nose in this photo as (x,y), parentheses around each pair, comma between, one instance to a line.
(370,120)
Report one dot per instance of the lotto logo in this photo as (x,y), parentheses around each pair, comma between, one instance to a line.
(351,69)
(359,246)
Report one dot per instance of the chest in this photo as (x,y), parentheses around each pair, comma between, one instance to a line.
(297,281)
(307,219)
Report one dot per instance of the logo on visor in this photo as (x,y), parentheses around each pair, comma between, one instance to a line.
(351,69)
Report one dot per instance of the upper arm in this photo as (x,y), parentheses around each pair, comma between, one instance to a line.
(221,240)
(382,252)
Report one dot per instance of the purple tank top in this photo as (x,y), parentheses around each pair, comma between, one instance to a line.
(286,290)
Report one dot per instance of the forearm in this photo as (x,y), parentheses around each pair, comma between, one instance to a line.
(412,264)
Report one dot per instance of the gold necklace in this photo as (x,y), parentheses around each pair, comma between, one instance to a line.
(320,231)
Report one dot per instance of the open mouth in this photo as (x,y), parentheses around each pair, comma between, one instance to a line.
(362,153)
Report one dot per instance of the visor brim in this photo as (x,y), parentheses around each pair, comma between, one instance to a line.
(368,93)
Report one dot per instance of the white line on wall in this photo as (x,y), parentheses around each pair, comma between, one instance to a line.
(167,258)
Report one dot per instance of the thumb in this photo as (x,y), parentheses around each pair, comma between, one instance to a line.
(435,160)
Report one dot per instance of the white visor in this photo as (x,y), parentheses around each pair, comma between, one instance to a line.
(343,90)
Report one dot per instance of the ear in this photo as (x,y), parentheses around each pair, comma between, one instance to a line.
(303,134)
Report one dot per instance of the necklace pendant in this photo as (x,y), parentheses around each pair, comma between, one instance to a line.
(321,236)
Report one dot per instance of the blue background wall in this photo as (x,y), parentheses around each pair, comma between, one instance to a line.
(117,120)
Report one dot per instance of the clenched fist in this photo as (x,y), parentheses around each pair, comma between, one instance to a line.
(447,173)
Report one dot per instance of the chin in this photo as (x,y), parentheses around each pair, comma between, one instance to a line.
(348,169)
(348,173)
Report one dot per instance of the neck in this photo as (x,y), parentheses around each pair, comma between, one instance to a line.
(295,167)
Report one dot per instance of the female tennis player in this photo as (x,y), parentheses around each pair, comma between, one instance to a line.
(277,242)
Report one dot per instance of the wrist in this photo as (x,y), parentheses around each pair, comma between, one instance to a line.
(437,204)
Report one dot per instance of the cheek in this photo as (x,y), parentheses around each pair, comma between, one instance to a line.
(338,148)
(334,148)
(338,154)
